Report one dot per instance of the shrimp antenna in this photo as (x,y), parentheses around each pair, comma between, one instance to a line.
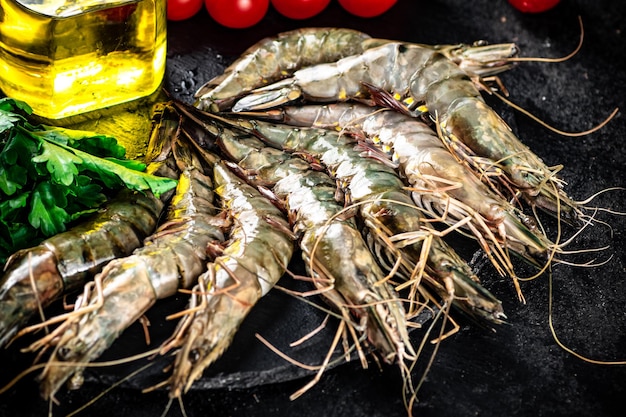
(593,196)
(319,369)
(109,389)
(553,60)
(295,362)
(33,368)
(561,344)
(552,128)
(21,375)
(414,389)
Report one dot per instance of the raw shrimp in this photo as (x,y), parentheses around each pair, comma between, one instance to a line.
(413,76)
(277,57)
(337,258)
(388,212)
(171,258)
(33,278)
(441,185)
(258,249)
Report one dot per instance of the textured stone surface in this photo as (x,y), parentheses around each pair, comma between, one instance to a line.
(518,370)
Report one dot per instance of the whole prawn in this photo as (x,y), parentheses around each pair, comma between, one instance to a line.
(276,57)
(390,216)
(171,258)
(253,259)
(337,258)
(412,76)
(33,278)
(441,185)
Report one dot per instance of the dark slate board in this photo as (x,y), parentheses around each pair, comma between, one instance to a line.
(518,370)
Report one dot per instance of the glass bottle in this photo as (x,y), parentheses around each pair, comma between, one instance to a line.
(66,57)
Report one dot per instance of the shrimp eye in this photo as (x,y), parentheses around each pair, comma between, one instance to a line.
(194,356)
(64,352)
(446,267)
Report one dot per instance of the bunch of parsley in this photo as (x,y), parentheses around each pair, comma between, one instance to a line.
(51,176)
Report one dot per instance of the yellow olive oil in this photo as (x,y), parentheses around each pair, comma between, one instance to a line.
(66,57)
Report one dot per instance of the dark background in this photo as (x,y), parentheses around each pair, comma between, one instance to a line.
(518,370)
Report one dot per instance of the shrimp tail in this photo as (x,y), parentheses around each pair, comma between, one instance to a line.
(21,293)
(280,93)
(277,57)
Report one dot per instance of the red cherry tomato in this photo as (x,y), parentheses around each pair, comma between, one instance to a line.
(533,6)
(367,8)
(183,9)
(299,9)
(237,14)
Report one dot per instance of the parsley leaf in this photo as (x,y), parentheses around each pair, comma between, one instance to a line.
(47,210)
(90,142)
(60,163)
(12,178)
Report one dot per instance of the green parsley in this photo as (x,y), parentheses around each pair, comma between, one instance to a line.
(52,176)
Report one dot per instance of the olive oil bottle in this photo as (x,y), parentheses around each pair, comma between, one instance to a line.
(66,57)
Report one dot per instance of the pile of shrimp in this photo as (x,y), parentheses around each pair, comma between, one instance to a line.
(362,155)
